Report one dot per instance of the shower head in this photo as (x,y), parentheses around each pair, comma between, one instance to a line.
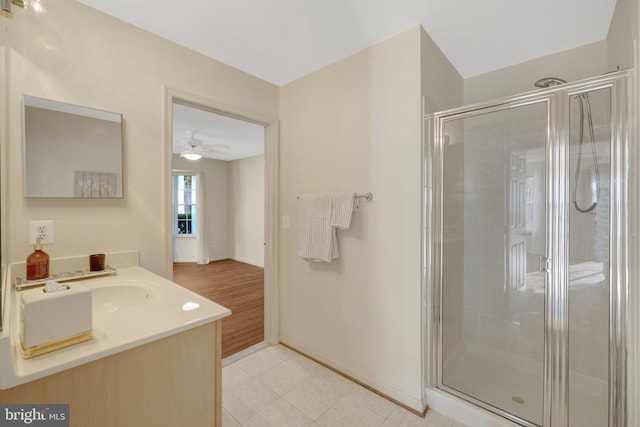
(549,81)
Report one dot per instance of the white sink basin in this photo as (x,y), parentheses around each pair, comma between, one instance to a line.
(116,296)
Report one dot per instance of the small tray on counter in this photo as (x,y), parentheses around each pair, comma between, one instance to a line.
(22,283)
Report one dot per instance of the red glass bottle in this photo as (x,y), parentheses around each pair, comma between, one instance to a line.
(38,263)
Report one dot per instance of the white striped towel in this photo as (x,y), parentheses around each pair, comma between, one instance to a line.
(342,207)
(319,215)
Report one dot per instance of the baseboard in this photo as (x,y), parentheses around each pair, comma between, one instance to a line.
(195,260)
(248,261)
(220,258)
(390,393)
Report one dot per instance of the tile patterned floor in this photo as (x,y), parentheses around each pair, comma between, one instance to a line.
(277,387)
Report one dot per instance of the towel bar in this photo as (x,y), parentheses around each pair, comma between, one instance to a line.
(368,196)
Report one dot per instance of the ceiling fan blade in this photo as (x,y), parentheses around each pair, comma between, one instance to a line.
(207,149)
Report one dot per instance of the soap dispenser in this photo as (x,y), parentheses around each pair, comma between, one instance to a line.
(38,263)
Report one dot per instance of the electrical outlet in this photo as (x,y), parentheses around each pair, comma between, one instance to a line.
(44,229)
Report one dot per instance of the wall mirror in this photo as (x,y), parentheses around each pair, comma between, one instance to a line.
(71,151)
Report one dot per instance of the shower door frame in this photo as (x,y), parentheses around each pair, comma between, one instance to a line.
(556,327)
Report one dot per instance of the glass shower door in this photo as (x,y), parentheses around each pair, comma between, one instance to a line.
(528,222)
(494,236)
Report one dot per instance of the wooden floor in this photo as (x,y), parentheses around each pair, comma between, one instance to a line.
(235,285)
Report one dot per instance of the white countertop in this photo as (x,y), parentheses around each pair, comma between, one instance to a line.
(170,309)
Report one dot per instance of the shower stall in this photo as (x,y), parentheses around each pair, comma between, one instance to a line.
(526,229)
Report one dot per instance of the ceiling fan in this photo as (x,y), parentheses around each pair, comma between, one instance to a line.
(195,147)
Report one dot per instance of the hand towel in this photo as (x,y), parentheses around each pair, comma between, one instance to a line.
(315,233)
(342,206)
(320,215)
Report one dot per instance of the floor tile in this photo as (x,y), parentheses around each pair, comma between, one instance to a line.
(232,377)
(347,412)
(339,384)
(435,419)
(372,401)
(313,396)
(279,414)
(283,352)
(247,400)
(400,417)
(306,364)
(228,420)
(259,362)
(283,377)
(277,387)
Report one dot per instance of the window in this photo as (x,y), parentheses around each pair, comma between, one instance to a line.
(184,204)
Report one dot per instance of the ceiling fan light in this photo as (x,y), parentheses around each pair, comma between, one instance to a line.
(190,155)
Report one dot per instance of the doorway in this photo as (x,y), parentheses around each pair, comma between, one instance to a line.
(221,213)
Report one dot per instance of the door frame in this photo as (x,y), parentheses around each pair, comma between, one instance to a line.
(271,173)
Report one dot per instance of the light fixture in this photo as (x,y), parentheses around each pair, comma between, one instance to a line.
(190,154)
(36,6)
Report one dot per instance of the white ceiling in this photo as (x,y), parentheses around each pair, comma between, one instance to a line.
(282,40)
(223,138)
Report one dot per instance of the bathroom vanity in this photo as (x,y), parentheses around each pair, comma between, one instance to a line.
(154,358)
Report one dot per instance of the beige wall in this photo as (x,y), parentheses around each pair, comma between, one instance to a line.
(246,215)
(621,35)
(571,65)
(81,56)
(441,85)
(356,126)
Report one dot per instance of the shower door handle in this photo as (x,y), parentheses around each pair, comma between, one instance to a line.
(545,264)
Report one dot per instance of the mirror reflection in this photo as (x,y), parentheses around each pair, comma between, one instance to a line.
(71,151)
